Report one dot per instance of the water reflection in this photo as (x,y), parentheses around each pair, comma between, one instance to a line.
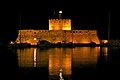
(104,52)
(102,60)
(67,59)
(26,57)
(60,58)
(34,57)
(85,56)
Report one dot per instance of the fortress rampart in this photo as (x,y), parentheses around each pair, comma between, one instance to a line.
(55,36)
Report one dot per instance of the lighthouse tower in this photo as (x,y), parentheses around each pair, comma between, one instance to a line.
(60,23)
(60,14)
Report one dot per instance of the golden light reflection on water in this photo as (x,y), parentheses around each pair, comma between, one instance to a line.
(104,51)
(83,56)
(32,57)
(59,58)
(25,57)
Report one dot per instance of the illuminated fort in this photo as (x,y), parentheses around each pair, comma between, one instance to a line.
(59,31)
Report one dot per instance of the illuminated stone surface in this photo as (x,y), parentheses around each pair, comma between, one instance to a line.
(55,36)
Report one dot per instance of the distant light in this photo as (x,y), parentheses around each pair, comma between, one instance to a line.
(105,41)
(60,11)
(11,42)
(35,39)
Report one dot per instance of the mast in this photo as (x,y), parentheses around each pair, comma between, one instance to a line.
(109,26)
(20,27)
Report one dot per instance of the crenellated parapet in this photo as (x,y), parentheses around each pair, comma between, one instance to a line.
(59,24)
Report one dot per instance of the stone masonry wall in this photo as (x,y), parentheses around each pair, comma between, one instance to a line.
(55,36)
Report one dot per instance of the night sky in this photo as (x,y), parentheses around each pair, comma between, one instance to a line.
(84,15)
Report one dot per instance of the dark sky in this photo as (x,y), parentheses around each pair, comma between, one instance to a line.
(84,15)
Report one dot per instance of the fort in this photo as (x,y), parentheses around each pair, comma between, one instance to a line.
(59,31)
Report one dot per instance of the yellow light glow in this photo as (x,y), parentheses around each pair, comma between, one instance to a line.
(35,39)
(86,41)
(60,11)
(50,28)
(66,28)
(105,41)
(11,42)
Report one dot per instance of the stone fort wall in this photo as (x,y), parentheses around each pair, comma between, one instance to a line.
(55,36)
(59,24)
